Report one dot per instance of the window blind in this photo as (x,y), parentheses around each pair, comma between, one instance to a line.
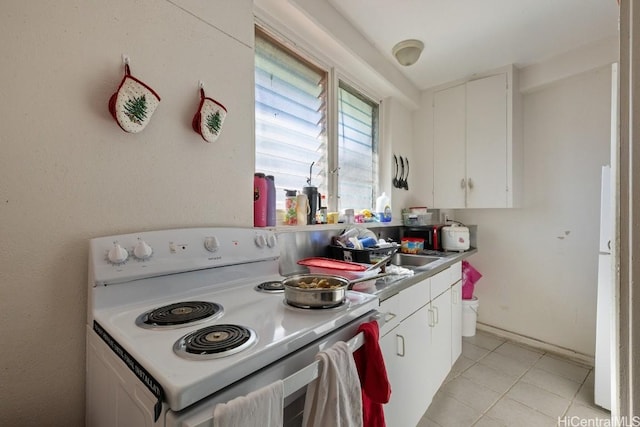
(357,149)
(291,98)
(290,118)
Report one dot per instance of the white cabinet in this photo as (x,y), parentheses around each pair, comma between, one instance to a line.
(488,184)
(390,309)
(449,149)
(406,350)
(478,144)
(456,321)
(418,344)
(456,311)
(440,356)
(405,346)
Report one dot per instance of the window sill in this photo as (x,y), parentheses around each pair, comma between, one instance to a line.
(339,226)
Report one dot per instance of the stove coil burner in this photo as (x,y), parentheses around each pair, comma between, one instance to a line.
(274,287)
(215,341)
(344,305)
(180,314)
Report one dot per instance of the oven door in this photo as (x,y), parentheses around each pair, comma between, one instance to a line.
(201,413)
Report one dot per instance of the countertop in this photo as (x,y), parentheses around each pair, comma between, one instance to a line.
(386,287)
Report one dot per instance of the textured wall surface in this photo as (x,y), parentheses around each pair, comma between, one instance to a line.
(69,173)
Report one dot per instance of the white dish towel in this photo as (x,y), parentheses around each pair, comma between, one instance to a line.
(335,397)
(261,408)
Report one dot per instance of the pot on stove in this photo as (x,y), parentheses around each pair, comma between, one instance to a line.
(298,290)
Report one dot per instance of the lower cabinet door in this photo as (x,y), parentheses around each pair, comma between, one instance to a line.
(440,325)
(406,353)
(456,321)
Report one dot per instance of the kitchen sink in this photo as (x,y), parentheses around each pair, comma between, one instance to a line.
(410,260)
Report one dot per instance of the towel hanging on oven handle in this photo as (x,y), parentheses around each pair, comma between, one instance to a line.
(309,373)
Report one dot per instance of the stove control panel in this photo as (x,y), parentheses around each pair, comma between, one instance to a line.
(122,258)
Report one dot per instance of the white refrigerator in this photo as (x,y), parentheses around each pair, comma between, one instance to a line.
(604,315)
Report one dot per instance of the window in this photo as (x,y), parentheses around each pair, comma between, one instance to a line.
(294,142)
(357,149)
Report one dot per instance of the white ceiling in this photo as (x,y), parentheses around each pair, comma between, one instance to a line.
(463,37)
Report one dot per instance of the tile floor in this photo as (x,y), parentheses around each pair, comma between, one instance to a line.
(496,382)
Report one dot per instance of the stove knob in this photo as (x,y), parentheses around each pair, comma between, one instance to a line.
(211,243)
(117,254)
(272,241)
(142,250)
(261,240)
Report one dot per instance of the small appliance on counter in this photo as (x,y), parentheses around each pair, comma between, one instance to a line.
(455,237)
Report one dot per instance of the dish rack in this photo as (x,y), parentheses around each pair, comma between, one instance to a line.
(366,256)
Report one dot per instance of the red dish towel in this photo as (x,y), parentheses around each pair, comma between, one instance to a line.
(376,389)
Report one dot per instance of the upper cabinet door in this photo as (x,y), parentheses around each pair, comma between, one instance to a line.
(478,144)
(449,175)
(487,185)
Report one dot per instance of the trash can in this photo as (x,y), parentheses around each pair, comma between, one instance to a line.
(469,316)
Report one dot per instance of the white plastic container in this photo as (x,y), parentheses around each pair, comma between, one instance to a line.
(469,316)
(383,208)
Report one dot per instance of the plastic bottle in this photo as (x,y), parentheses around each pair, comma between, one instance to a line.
(321,215)
(259,200)
(383,208)
(290,204)
(271,200)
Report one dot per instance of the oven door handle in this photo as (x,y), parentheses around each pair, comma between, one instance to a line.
(308,374)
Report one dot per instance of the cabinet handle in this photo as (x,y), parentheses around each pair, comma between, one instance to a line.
(470,183)
(431,320)
(463,184)
(397,347)
(437,320)
(388,317)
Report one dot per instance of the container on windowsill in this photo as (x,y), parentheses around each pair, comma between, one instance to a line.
(332,217)
(349,216)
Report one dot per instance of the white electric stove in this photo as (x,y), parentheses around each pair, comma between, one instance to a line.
(177,323)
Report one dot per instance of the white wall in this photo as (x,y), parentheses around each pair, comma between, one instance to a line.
(69,173)
(540,262)
(398,137)
(423,148)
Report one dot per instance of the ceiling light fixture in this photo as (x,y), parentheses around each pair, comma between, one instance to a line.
(407,52)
